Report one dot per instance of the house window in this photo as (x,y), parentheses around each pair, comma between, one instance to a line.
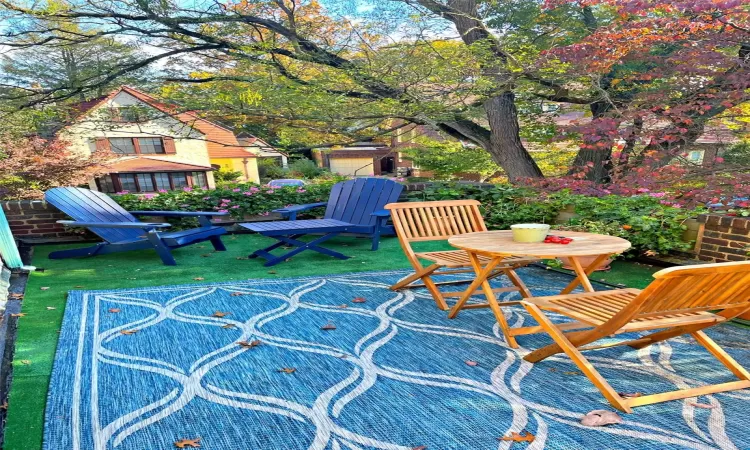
(179,180)
(137,146)
(127,182)
(162,181)
(150,182)
(145,182)
(695,155)
(199,179)
(150,146)
(122,146)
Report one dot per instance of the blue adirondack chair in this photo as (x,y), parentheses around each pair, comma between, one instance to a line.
(121,231)
(354,206)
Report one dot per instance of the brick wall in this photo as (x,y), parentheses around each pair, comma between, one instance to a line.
(36,220)
(725,238)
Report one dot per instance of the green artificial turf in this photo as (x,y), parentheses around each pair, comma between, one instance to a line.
(44,301)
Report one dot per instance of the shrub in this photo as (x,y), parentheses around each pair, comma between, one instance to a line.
(305,168)
(270,169)
(223,175)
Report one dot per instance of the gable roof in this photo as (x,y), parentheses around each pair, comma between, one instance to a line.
(151,164)
(220,141)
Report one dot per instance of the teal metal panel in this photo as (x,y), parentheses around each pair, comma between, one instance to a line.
(8,249)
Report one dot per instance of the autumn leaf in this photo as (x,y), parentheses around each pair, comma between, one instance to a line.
(471,363)
(45,288)
(51,307)
(272,272)
(79,287)
(241,258)
(185,443)
(421,447)
(600,418)
(25,362)
(702,405)
(237,294)
(517,437)
(18,315)
(359,300)
(572,372)
(287,370)
(114,310)
(4,406)
(342,306)
(328,326)
(629,394)
(199,278)
(250,344)
(229,325)
(220,314)
(15,295)
(128,332)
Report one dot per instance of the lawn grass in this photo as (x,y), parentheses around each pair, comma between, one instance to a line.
(46,292)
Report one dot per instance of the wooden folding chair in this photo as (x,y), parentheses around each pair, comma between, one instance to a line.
(681,300)
(435,221)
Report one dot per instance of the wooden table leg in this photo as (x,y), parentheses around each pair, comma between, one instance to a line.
(481,277)
(582,274)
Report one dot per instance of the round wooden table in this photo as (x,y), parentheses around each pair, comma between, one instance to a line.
(498,245)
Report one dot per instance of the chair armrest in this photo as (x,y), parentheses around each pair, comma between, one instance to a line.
(178,213)
(382,214)
(298,208)
(142,225)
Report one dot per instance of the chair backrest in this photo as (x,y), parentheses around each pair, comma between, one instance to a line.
(85,205)
(433,221)
(286,182)
(721,286)
(354,201)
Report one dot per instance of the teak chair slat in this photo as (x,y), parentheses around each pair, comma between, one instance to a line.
(680,300)
(435,221)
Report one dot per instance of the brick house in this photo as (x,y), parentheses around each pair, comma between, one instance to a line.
(158,146)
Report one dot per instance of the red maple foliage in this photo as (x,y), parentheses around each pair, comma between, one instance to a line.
(30,166)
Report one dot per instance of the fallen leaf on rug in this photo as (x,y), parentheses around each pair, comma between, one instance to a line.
(25,362)
(15,295)
(4,406)
(185,443)
(629,394)
(421,447)
(18,315)
(471,363)
(572,372)
(600,418)
(51,307)
(272,272)
(220,314)
(114,310)
(237,294)
(359,300)
(128,332)
(250,344)
(702,405)
(45,288)
(517,437)
(241,258)
(79,287)
(229,325)
(342,306)
(287,369)
(199,278)
(328,326)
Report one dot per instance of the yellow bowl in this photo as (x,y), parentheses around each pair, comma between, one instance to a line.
(529,232)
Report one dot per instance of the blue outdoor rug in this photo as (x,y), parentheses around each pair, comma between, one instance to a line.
(391,375)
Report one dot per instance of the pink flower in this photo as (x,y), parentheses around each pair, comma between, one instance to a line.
(657,194)
(162,190)
(236,190)
(121,192)
(270,191)
(265,213)
(301,191)
(206,198)
(149,196)
(225,200)
(223,211)
(235,206)
(187,189)
(248,193)
(642,190)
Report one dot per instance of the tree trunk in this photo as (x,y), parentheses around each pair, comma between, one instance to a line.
(600,158)
(505,144)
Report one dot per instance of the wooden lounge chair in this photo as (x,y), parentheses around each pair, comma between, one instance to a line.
(354,207)
(681,300)
(121,231)
(436,221)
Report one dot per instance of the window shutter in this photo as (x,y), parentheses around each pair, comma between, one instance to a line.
(168,145)
(102,144)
